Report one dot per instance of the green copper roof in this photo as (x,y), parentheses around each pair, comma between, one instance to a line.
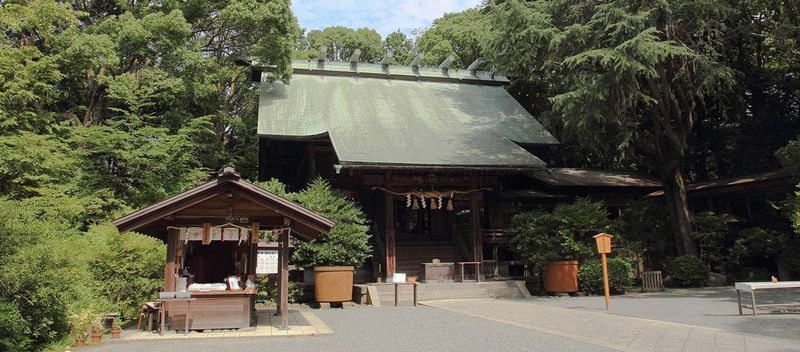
(392,122)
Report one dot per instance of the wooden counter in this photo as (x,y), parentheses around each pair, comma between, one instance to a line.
(213,310)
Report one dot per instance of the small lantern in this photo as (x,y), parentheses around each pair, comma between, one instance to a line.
(603,243)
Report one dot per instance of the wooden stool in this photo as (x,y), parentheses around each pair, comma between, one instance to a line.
(146,311)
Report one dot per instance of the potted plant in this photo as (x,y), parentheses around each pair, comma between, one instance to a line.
(334,255)
(97,331)
(78,324)
(116,328)
(554,242)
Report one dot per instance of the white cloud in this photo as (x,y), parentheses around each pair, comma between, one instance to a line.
(383,16)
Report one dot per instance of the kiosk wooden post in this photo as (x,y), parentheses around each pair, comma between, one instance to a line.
(604,247)
(284,289)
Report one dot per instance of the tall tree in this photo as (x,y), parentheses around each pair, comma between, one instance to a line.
(342,41)
(401,46)
(460,34)
(630,73)
(740,134)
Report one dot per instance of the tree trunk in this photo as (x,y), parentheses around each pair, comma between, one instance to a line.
(678,205)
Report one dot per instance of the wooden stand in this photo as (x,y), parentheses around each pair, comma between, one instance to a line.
(397,285)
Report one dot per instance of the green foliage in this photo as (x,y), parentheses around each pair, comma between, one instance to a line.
(565,233)
(105,108)
(141,164)
(756,242)
(460,34)
(712,233)
(342,41)
(268,290)
(643,227)
(31,163)
(625,77)
(43,279)
(620,276)
(687,271)
(128,268)
(401,46)
(789,157)
(346,244)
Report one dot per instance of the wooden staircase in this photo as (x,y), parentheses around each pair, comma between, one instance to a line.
(410,256)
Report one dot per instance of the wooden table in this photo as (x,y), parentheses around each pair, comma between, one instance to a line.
(752,287)
(477,269)
(163,313)
(397,285)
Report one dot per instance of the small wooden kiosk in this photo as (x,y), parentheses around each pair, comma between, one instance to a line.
(212,233)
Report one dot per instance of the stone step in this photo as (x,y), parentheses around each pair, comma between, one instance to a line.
(453,285)
(437,291)
(406,295)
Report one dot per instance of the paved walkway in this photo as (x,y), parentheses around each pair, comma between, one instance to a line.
(622,333)
(713,307)
(301,322)
(375,329)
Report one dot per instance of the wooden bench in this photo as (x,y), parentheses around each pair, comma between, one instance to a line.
(651,281)
(752,287)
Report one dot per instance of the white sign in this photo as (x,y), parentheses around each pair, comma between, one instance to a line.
(267,261)
(399,277)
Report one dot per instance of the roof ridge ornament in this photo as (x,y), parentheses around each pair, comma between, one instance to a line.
(473,67)
(228,169)
(354,60)
(445,65)
(385,61)
(323,53)
(415,63)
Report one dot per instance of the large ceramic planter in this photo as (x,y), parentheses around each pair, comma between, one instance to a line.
(561,276)
(333,283)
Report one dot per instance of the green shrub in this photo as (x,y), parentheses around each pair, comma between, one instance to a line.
(128,269)
(268,290)
(712,233)
(688,271)
(346,244)
(620,276)
(564,234)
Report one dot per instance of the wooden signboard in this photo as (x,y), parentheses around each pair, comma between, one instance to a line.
(267,262)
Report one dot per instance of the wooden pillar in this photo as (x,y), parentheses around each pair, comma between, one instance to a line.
(389,232)
(171,263)
(278,277)
(284,290)
(475,214)
(496,255)
(255,227)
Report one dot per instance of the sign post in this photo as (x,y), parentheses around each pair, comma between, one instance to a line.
(604,247)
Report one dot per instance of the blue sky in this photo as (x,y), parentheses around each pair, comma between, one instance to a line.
(385,16)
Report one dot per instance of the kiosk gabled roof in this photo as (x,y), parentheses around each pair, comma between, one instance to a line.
(152,220)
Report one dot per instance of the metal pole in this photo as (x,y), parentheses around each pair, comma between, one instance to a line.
(605,279)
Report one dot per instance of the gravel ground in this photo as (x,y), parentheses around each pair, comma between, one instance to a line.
(710,307)
(378,329)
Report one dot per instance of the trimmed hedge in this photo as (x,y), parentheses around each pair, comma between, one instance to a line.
(620,276)
(687,271)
